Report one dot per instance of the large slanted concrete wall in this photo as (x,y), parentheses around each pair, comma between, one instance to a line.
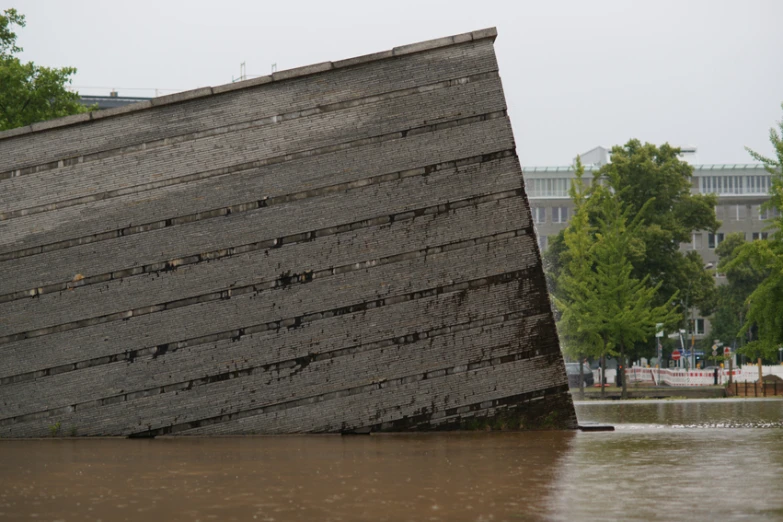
(337,247)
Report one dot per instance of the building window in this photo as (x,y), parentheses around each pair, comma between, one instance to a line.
(739,212)
(758,184)
(559,214)
(759,235)
(713,240)
(736,185)
(697,242)
(539,214)
(699,324)
(548,187)
(770,213)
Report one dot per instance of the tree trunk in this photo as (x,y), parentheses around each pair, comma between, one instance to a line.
(581,379)
(621,369)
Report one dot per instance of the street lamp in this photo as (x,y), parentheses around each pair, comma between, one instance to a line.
(780,354)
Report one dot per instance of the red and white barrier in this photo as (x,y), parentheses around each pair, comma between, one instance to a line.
(671,377)
(681,377)
(750,373)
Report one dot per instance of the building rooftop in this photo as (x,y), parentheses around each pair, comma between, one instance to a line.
(111,101)
(708,166)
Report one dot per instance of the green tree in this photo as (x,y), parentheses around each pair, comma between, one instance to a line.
(578,239)
(653,183)
(775,168)
(765,303)
(603,305)
(627,304)
(30,93)
(741,280)
(639,172)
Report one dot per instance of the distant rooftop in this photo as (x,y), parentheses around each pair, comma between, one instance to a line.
(594,158)
(590,168)
(111,101)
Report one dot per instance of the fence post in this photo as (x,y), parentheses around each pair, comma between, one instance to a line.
(731,370)
(761,379)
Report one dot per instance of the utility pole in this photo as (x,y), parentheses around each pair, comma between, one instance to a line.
(693,341)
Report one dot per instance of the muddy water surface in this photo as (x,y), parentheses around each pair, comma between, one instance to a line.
(668,460)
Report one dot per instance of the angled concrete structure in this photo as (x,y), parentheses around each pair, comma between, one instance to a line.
(345,246)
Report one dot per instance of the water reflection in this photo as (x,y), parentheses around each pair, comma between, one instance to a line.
(651,468)
(712,413)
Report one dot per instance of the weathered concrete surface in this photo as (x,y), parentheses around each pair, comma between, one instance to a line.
(344,246)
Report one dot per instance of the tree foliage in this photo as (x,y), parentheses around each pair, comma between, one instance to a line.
(765,303)
(652,184)
(639,172)
(577,342)
(30,93)
(604,307)
(741,280)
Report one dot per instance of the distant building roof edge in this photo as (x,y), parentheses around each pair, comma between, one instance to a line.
(706,166)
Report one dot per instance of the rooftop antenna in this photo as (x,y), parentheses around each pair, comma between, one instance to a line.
(242,73)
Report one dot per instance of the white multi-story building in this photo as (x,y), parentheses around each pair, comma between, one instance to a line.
(741,190)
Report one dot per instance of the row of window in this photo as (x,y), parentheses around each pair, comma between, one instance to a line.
(734,184)
(697,240)
(713,240)
(559,214)
(548,187)
(741,212)
(722,212)
(729,185)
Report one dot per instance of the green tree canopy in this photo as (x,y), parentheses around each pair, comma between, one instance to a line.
(30,93)
(741,280)
(639,172)
(577,341)
(654,184)
(765,303)
(604,307)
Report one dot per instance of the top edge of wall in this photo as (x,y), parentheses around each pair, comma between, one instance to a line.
(297,72)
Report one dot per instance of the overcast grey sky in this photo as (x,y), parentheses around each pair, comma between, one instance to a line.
(576,73)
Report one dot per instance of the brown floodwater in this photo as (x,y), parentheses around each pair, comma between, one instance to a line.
(667,460)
